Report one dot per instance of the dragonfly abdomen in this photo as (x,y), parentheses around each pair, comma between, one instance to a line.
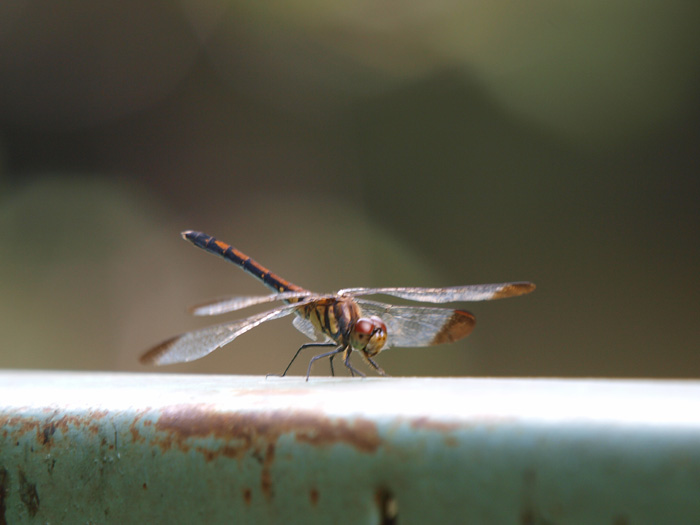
(240,259)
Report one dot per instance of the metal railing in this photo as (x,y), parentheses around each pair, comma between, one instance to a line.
(147,448)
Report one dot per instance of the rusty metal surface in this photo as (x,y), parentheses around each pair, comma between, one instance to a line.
(128,448)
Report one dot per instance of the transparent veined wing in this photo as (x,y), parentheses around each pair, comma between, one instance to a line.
(309,330)
(231,304)
(412,326)
(198,343)
(451,294)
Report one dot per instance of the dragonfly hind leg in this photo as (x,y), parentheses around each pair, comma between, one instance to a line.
(330,354)
(306,345)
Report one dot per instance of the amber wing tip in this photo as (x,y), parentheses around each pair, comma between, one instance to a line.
(458,326)
(514,289)
(153,356)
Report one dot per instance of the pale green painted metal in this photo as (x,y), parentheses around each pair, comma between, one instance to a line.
(144,448)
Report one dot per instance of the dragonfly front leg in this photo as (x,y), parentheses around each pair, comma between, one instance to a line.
(378,368)
(352,369)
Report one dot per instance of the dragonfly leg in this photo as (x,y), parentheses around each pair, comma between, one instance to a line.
(330,354)
(378,368)
(352,369)
(306,345)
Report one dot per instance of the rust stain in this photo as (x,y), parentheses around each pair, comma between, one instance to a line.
(426,423)
(226,451)
(250,429)
(17,426)
(443,427)
(446,428)
(48,433)
(256,434)
(50,465)
(266,476)
(28,494)
(136,436)
(451,441)
(4,492)
(236,435)
(314,496)
(361,434)
(387,505)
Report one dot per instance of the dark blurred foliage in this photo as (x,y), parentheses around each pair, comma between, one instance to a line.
(358,145)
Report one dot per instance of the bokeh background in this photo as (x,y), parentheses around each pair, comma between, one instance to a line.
(353,144)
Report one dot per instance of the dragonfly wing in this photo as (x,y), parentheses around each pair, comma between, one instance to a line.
(305,327)
(197,344)
(231,304)
(420,325)
(472,292)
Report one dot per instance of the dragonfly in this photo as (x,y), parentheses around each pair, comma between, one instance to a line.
(344,321)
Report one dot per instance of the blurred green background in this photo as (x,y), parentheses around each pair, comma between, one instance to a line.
(353,144)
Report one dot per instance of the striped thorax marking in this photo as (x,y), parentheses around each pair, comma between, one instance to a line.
(334,317)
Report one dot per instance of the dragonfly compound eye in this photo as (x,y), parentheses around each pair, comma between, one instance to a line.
(364,328)
(378,323)
(369,335)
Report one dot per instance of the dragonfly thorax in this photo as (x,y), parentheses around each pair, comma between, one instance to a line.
(368,335)
(340,318)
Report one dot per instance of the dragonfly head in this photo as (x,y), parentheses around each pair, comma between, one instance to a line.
(368,335)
